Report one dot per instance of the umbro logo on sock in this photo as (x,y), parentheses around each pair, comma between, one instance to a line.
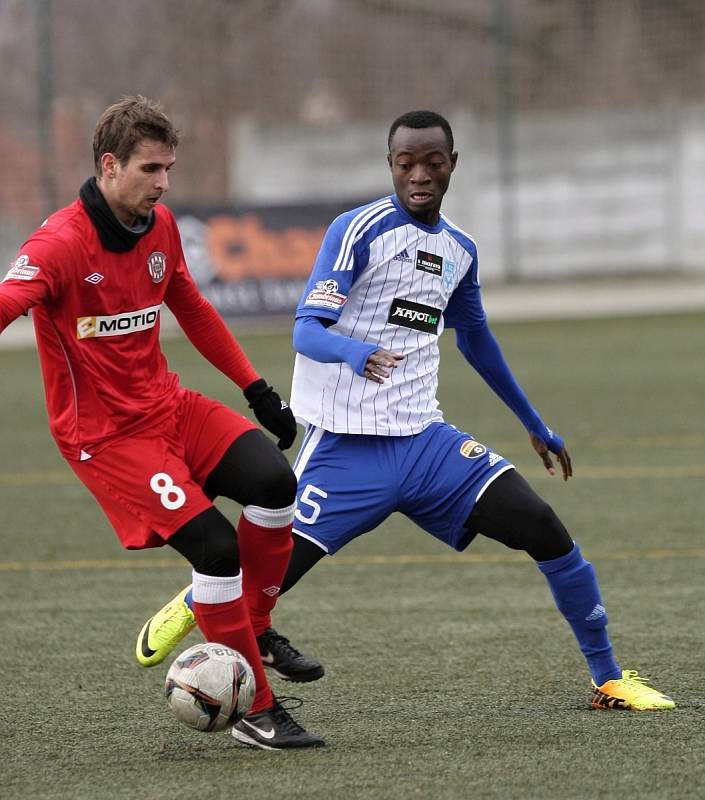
(404,257)
(596,613)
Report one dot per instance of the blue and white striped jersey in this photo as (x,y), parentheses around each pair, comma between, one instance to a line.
(385,278)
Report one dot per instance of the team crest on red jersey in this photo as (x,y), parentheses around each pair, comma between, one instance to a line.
(156,264)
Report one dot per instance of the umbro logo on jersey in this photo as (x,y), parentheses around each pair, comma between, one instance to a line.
(117,324)
(404,257)
(94,278)
(414,315)
(429,262)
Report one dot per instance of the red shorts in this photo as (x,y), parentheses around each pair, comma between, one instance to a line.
(151,484)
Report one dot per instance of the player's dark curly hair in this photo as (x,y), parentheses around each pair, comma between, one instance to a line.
(123,125)
(422,119)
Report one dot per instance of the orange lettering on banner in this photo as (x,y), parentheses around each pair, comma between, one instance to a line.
(241,247)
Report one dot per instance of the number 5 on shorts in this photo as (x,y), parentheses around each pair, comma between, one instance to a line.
(306,500)
(171,496)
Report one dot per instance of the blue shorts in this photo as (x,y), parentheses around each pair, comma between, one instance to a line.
(350,483)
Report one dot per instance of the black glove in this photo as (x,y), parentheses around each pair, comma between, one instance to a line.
(272,412)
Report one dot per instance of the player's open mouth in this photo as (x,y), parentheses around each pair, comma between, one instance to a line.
(420,197)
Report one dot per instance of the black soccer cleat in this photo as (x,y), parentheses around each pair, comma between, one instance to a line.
(274,729)
(280,656)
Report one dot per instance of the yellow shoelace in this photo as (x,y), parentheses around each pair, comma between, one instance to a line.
(632,677)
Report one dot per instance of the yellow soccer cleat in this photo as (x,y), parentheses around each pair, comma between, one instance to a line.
(630,693)
(162,632)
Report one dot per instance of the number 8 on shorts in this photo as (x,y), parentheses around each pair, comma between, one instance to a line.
(171,496)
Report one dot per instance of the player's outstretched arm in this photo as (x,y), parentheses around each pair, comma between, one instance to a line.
(214,341)
(11,307)
(481,350)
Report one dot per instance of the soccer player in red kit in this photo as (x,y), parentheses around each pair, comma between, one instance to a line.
(153,453)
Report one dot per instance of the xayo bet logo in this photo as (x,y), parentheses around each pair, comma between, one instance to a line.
(472,449)
(156,264)
(117,324)
(414,315)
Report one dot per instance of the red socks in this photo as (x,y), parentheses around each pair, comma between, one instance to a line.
(222,615)
(264,538)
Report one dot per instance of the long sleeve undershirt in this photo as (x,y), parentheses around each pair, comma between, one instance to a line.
(212,338)
(313,340)
(483,353)
(477,344)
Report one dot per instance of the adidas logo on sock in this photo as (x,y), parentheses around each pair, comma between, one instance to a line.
(404,257)
(596,613)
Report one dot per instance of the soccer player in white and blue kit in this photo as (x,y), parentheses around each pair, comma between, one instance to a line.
(389,278)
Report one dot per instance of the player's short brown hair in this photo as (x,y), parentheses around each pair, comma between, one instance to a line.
(125,124)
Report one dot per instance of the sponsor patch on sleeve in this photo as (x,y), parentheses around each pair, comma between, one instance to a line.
(22,270)
(325,294)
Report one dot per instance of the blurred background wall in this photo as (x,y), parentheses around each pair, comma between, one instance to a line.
(580,123)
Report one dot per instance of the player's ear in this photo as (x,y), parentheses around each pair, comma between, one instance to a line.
(389,160)
(453,160)
(108,165)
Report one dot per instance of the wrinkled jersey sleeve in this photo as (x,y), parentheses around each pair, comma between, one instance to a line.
(33,278)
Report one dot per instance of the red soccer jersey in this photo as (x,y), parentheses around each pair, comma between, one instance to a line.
(97,315)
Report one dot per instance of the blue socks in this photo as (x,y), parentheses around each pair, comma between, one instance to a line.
(574,586)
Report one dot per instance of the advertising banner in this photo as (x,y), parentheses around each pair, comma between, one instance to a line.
(254,260)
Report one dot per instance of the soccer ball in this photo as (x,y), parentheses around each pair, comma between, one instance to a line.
(210,687)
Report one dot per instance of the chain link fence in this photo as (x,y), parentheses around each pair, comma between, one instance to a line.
(575,118)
